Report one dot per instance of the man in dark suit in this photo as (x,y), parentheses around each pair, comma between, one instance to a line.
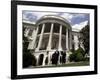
(55,57)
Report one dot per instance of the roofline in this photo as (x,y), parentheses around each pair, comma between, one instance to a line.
(54,17)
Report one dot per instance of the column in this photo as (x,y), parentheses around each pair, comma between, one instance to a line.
(37,58)
(59,57)
(67,39)
(41,37)
(26,32)
(49,58)
(70,39)
(76,42)
(43,64)
(60,38)
(50,38)
(34,36)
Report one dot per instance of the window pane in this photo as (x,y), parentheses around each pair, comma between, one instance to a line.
(40,28)
(56,28)
(47,27)
(63,30)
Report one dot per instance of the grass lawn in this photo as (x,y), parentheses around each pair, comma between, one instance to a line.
(70,64)
(76,64)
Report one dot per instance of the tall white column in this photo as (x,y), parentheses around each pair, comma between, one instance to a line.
(50,38)
(43,63)
(70,40)
(76,42)
(60,38)
(41,37)
(49,58)
(34,36)
(37,59)
(59,57)
(67,39)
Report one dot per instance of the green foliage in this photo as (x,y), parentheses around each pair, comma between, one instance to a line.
(77,55)
(85,38)
(28,58)
(80,50)
(86,59)
(72,57)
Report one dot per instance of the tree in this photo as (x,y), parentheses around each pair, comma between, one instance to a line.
(85,38)
(28,58)
(79,54)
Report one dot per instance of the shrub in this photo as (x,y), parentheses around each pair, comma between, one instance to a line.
(72,57)
(28,59)
(86,59)
(80,50)
(77,55)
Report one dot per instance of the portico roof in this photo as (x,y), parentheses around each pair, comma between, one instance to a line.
(54,17)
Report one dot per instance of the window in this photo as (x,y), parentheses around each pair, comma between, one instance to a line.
(56,28)
(47,27)
(40,28)
(72,37)
(63,30)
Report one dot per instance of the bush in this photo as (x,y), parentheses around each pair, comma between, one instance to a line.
(72,57)
(80,50)
(28,59)
(77,55)
(86,59)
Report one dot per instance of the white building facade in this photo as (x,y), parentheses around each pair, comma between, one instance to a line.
(48,34)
